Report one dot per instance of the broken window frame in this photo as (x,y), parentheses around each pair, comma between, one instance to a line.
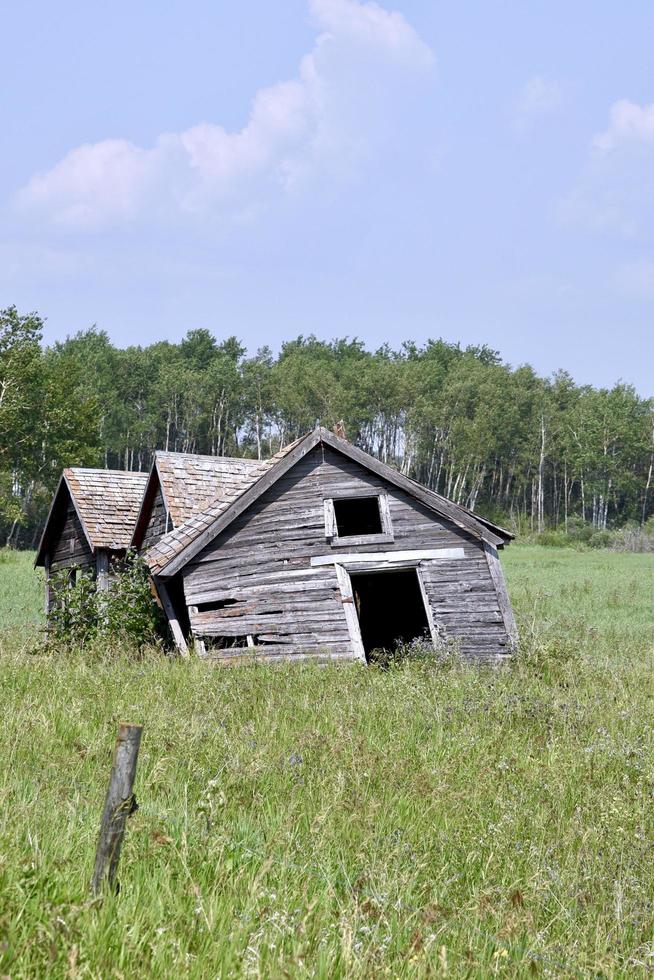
(349,540)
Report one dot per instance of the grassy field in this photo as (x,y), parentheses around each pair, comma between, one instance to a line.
(21,592)
(300,821)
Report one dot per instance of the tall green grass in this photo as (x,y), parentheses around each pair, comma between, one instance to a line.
(344,821)
(21,591)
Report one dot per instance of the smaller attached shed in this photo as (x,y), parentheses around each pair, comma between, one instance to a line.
(181,485)
(90,523)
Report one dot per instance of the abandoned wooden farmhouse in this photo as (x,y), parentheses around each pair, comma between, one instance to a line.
(322,551)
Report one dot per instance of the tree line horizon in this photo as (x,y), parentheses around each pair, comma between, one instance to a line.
(528,451)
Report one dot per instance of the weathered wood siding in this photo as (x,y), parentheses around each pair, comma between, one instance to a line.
(465,605)
(71,549)
(262,561)
(158,523)
(260,566)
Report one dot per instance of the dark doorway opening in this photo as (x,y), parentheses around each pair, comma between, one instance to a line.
(390,608)
(357,515)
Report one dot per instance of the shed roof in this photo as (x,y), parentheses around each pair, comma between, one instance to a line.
(176,540)
(107,503)
(190,483)
(180,545)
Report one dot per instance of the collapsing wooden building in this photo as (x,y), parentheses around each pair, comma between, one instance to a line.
(321,552)
(90,524)
(326,552)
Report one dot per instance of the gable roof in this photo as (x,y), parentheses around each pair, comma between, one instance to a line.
(106,502)
(190,483)
(179,546)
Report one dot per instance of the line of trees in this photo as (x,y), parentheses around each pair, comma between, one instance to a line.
(532,451)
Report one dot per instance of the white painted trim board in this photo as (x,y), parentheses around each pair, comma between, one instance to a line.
(434,554)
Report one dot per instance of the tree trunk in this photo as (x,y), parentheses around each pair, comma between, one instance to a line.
(541,471)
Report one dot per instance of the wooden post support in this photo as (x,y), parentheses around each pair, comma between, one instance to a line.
(171,616)
(102,570)
(119,805)
(48,588)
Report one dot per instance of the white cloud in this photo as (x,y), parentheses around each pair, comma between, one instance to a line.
(92,182)
(371,25)
(322,121)
(615,192)
(538,97)
(630,124)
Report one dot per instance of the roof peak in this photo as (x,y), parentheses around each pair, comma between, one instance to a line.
(104,469)
(161,453)
(106,503)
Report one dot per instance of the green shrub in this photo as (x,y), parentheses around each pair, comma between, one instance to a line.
(73,615)
(129,609)
(555,538)
(634,537)
(127,612)
(600,539)
(511,521)
(631,537)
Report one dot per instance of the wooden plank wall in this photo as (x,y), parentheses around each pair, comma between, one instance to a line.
(464,604)
(156,527)
(262,561)
(71,549)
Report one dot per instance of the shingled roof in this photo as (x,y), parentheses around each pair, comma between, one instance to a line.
(107,503)
(181,544)
(176,540)
(190,483)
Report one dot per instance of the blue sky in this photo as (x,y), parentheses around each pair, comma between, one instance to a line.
(482,172)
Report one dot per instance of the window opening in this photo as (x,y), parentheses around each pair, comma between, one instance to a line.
(357,515)
(390,609)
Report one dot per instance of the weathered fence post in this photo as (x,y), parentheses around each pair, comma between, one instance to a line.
(119,804)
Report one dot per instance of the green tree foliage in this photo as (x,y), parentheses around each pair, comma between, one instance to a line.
(48,420)
(537,452)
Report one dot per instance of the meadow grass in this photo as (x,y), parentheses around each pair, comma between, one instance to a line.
(344,821)
(21,591)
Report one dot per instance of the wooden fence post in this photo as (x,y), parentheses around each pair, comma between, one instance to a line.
(119,805)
